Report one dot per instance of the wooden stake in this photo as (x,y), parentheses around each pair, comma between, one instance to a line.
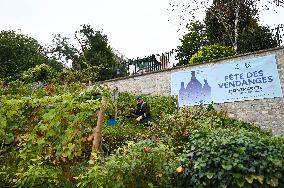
(97,134)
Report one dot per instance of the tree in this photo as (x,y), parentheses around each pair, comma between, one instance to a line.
(63,50)
(255,39)
(248,36)
(18,53)
(92,50)
(191,42)
(228,13)
(224,31)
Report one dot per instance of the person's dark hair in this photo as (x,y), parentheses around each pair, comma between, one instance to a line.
(97,95)
(139,98)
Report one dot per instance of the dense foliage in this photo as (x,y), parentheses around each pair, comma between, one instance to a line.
(92,58)
(255,39)
(39,73)
(224,23)
(46,140)
(222,158)
(144,164)
(211,52)
(159,105)
(87,75)
(18,53)
(49,116)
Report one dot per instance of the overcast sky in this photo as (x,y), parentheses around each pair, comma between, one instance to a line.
(136,28)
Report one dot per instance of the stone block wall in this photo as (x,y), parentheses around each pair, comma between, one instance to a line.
(266,113)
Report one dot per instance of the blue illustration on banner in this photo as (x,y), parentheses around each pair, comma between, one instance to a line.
(195,91)
(250,79)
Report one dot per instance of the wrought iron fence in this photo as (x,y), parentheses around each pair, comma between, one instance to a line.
(150,63)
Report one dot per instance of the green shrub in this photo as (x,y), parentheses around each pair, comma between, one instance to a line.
(91,73)
(55,127)
(15,88)
(211,52)
(240,158)
(8,167)
(159,105)
(38,174)
(176,129)
(119,135)
(144,164)
(173,129)
(43,73)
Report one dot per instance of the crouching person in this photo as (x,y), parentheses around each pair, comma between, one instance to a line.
(143,112)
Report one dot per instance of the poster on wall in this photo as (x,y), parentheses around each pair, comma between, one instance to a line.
(249,79)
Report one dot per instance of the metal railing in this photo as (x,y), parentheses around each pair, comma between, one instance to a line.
(150,63)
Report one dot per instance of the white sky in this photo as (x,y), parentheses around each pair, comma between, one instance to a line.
(136,28)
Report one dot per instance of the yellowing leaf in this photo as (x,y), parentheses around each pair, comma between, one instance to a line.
(260,179)
(273,182)
(249,179)
(209,175)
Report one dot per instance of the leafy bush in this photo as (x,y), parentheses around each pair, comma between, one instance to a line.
(52,127)
(211,52)
(144,164)
(173,129)
(176,129)
(18,89)
(15,88)
(240,158)
(44,130)
(118,136)
(43,73)
(159,105)
(91,73)
(195,37)
(8,167)
(38,174)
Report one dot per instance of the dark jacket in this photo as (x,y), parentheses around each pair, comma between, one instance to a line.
(143,110)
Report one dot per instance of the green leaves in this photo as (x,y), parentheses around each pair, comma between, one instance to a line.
(211,52)
(141,164)
(159,105)
(273,182)
(51,122)
(52,136)
(18,53)
(251,178)
(209,175)
(42,73)
(191,42)
(38,174)
(95,61)
(240,158)
(227,166)
(9,138)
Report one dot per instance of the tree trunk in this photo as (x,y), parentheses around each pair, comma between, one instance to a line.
(97,134)
(237,13)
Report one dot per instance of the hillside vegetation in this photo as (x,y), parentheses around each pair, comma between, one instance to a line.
(47,134)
